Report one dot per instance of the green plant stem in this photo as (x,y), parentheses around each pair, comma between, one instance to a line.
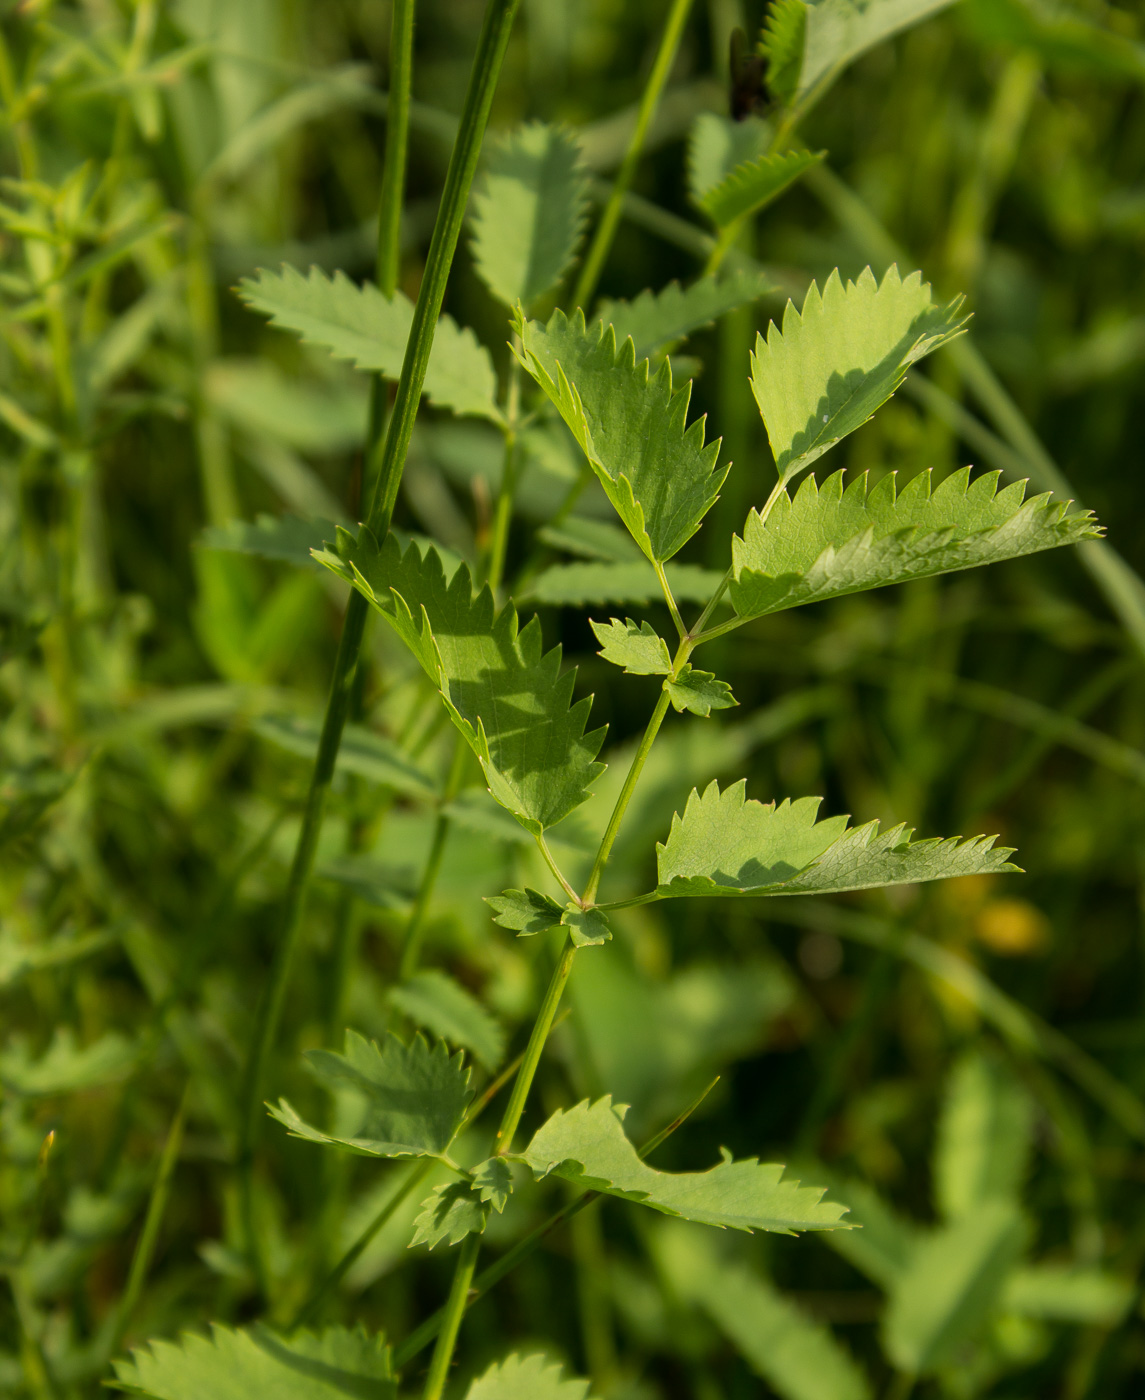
(633,777)
(491,46)
(149,1235)
(493,1275)
(451,1319)
(397,144)
(415,926)
(503,514)
(593,264)
(540,1033)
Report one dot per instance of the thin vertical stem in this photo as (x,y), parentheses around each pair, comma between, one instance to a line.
(397,145)
(541,1027)
(493,41)
(149,1235)
(652,729)
(454,1311)
(503,514)
(610,219)
(411,945)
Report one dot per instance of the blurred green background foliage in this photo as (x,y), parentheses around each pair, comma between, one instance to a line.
(160,696)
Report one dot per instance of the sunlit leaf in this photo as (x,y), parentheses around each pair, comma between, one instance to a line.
(725,844)
(784,34)
(841,358)
(838,31)
(636,648)
(588,1146)
(502,690)
(631,425)
(699,692)
(827,541)
(525,911)
(525,1378)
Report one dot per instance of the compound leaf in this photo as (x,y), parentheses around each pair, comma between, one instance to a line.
(587,1145)
(583,584)
(984,1137)
(441,1005)
(525,911)
(725,844)
(950,1287)
(699,692)
(238,1364)
(784,34)
(525,1378)
(529,212)
(360,324)
(754,184)
(505,694)
(826,541)
(449,1213)
(797,1357)
(637,649)
(413,1097)
(632,427)
(655,318)
(841,358)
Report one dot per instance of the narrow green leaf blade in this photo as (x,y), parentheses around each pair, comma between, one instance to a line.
(699,692)
(841,358)
(413,1097)
(360,324)
(506,694)
(826,542)
(253,1361)
(752,186)
(437,1003)
(943,1299)
(631,425)
(725,844)
(798,1358)
(529,212)
(587,1145)
(636,648)
(657,318)
(526,1378)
